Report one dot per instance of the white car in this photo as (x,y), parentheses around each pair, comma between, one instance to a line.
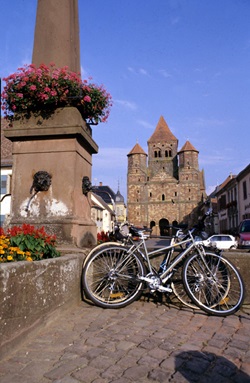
(221,242)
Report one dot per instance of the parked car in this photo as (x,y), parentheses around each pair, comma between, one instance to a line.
(221,241)
(244,234)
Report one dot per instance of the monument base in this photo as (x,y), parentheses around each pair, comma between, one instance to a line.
(62,147)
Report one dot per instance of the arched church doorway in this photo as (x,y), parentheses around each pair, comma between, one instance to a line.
(164,227)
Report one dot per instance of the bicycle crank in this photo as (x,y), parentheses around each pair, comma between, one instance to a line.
(155,283)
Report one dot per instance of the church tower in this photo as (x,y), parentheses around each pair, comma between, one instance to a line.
(190,176)
(136,184)
(162,151)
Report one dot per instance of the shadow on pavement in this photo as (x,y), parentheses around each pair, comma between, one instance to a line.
(196,366)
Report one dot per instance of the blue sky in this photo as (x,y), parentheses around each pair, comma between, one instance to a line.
(188,60)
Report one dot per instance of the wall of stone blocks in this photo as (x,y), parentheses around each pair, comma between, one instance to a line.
(29,291)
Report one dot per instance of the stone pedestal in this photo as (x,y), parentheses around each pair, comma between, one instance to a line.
(63,147)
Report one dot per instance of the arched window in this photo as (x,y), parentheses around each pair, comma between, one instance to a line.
(163,197)
(155,154)
(166,153)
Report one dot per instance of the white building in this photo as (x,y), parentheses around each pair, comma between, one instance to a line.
(102,214)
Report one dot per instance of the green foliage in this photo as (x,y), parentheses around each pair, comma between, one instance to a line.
(26,243)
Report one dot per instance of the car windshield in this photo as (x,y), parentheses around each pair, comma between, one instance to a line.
(245,227)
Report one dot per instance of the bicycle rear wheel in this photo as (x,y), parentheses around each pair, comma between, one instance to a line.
(214,285)
(111,277)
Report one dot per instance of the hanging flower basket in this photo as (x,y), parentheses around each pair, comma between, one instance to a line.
(42,90)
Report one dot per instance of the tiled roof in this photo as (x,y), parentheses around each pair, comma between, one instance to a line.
(188,147)
(162,132)
(6,146)
(228,179)
(105,192)
(137,149)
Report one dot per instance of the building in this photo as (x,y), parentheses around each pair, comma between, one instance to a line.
(232,205)
(114,200)
(165,186)
(120,208)
(243,180)
(102,214)
(226,194)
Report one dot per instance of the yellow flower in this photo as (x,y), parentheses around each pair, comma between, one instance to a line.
(28,253)
(29,259)
(2,251)
(9,258)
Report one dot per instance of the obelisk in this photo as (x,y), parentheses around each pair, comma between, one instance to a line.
(60,146)
(57,34)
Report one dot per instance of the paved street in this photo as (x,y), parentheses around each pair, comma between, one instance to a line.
(144,342)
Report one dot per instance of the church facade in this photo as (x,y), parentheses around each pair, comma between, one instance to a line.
(164,186)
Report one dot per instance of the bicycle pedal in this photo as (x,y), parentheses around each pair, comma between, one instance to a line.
(223,301)
(117,295)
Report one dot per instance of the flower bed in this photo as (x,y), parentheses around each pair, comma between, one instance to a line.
(41,90)
(26,243)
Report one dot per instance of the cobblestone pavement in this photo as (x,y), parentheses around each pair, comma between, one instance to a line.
(144,342)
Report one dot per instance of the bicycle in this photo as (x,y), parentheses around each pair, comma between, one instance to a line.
(123,236)
(116,275)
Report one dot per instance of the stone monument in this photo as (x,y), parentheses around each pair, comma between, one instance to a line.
(51,156)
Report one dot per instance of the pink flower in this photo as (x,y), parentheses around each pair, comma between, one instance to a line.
(87,99)
(58,86)
(44,96)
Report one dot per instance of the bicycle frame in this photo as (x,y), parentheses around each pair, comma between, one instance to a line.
(167,273)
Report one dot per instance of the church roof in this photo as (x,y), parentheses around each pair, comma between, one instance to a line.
(188,147)
(162,132)
(137,149)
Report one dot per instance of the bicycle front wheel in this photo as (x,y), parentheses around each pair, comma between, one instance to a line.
(215,284)
(111,277)
(179,290)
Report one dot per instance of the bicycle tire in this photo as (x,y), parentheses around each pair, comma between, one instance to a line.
(179,290)
(217,289)
(99,247)
(110,277)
